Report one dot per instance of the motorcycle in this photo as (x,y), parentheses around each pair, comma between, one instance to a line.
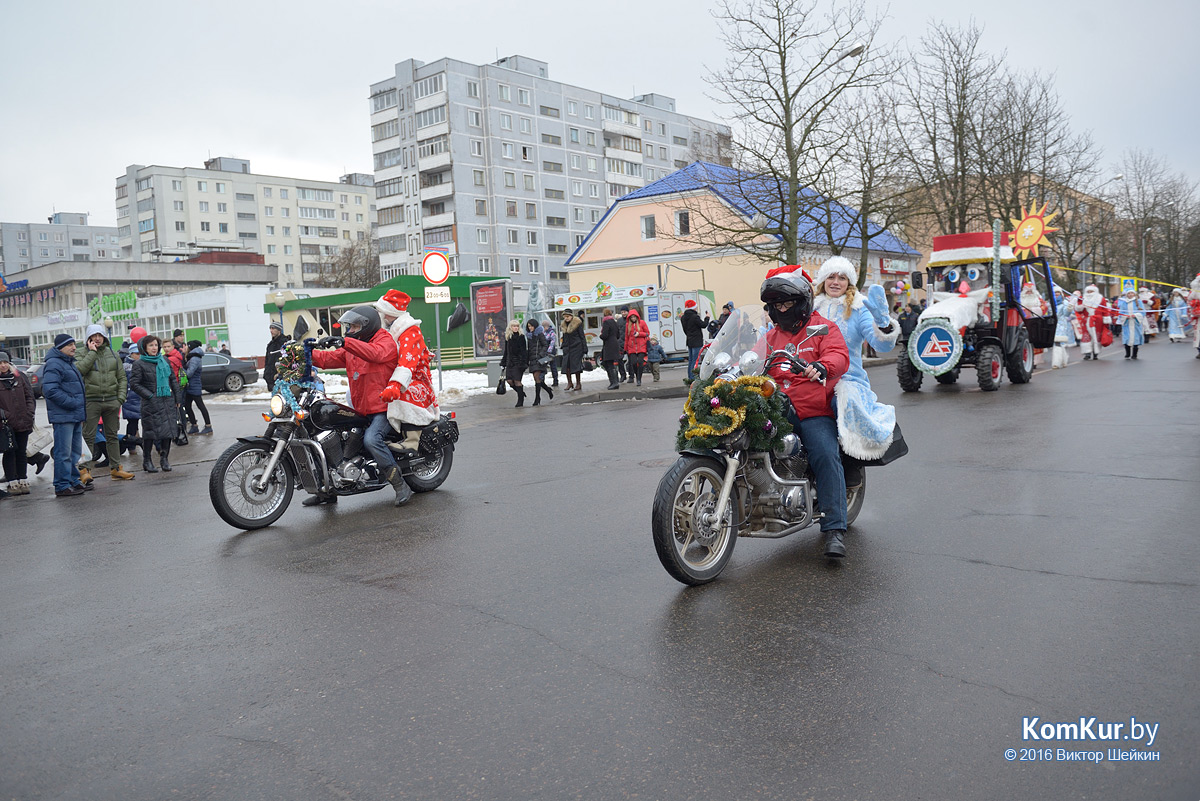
(317,444)
(712,496)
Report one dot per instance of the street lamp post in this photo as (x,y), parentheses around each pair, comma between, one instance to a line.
(108,326)
(1118,177)
(280,300)
(1148,230)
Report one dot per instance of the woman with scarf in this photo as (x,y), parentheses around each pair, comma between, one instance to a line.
(864,424)
(538,360)
(153,380)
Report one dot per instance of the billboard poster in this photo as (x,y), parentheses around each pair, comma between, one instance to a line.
(491,309)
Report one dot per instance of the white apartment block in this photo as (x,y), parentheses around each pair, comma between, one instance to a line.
(296,224)
(506,170)
(66,236)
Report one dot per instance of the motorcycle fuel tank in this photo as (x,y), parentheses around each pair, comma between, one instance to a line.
(327,414)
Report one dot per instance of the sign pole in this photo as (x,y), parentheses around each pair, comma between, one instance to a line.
(437,321)
(436,268)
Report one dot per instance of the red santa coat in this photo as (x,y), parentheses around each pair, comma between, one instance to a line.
(417,404)
(368,366)
(1094,323)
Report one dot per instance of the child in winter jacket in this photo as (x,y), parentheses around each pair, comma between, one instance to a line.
(654,355)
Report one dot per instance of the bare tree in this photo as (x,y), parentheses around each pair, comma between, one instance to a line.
(789,61)
(355,265)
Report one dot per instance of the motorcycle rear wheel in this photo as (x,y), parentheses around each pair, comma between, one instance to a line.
(233,496)
(430,474)
(692,551)
(854,499)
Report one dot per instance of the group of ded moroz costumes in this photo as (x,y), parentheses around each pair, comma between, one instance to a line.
(1086,317)
(387,364)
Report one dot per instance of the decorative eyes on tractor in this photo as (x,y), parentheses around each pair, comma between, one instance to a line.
(953,275)
(973,273)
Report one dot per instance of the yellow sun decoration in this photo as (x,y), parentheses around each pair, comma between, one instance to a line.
(1030,233)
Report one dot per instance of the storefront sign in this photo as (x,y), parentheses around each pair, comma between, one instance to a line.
(605,293)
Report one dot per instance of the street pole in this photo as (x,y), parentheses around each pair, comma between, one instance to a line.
(1148,230)
(437,322)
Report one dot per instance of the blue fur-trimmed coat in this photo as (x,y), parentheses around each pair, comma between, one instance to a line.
(865,425)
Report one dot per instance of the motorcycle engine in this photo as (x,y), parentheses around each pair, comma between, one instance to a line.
(349,475)
(778,505)
(331,444)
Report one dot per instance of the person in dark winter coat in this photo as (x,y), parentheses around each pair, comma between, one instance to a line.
(714,327)
(514,359)
(17,408)
(132,409)
(552,349)
(693,331)
(622,319)
(538,358)
(66,408)
(151,378)
(105,386)
(195,388)
(610,352)
(274,348)
(636,335)
(574,347)
(908,320)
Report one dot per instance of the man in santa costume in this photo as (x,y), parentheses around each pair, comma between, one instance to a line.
(1194,311)
(409,394)
(1094,316)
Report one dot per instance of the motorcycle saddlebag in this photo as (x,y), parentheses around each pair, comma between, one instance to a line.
(897,449)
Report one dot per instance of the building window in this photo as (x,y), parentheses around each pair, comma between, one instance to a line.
(556,249)
(531,211)
(177,205)
(552,166)
(268,211)
(283,194)
(554,194)
(591,163)
(526,125)
(595,215)
(505,92)
(506,122)
(573,135)
(534,266)
(662,153)
(523,97)
(593,190)
(576,161)
(201,186)
(266,191)
(474,118)
(531,237)
(177,185)
(222,228)
(477,177)
(529,181)
(285,212)
(506,150)
(591,138)
(473,89)
(477,147)
(514,265)
(572,108)
(178,226)
(481,236)
(220,188)
(287,250)
(577,188)
(481,207)
(222,208)
(510,180)
(648,227)
(270,250)
(431,85)
(270,230)
(526,153)
(430,117)
(514,236)
(589,112)
(556,222)
(578,215)
(205,227)
(679,140)
(683,223)
(579,240)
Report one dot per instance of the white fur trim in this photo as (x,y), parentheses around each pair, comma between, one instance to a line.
(401,324)
(888,338)
(853,443)
(402,376)
(836,264)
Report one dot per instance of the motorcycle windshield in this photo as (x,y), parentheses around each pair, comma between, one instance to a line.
(737,337)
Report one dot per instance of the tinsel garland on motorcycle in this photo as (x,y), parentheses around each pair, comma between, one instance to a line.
(717,408)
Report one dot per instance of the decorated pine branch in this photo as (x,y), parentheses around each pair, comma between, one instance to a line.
(717,408)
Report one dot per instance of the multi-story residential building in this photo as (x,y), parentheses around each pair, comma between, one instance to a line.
(66,236)
(297,224)
(506,170)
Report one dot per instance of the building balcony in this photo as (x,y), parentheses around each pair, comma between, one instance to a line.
(438,220)
(434,163)
(445,189)
(612,126)
(632,156)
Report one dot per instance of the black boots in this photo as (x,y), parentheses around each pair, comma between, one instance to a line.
(1135,347)
(1126,351)
(537,395)
(835,546)
(163,455)
(613,382)
(403,492)
(520,396)
(545,388)
(318,500)
(148,464)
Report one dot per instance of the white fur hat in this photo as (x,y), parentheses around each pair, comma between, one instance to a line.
(836,264)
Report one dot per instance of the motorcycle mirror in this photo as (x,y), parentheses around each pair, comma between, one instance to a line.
(457,317)
(817,330)
(300,330)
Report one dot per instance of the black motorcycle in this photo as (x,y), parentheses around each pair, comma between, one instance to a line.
(317,444)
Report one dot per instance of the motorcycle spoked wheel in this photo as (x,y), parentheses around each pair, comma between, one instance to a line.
(430,474)
(692,551)
(233,495)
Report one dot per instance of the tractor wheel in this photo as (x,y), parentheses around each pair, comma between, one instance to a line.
(910,377)
(990,367)
(948,378)
(1019,363)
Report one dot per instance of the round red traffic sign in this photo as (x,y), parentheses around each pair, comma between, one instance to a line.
(436,267)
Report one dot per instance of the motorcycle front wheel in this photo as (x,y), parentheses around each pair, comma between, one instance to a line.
(692,550)
(231,487)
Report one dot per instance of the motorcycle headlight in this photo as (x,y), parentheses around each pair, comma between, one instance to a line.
(278,405)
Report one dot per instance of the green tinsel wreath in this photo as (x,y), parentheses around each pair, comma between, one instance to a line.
(742,401)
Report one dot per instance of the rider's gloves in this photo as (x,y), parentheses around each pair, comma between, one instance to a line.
(821,371)
(330,342)
(876,303)
(391,392)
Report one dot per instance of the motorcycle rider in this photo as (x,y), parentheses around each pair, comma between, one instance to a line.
(412,403)
(368,354)
(789,299)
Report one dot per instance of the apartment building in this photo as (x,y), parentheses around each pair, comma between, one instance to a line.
(507,171)
(66,236)
(164,213)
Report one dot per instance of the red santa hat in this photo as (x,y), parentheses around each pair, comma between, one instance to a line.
(789,269)
(689,304)
(837,265)
(393,304)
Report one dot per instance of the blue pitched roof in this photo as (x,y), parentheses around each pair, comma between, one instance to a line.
(753,194)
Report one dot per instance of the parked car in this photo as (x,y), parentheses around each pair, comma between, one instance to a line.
(224,373)
(35,377)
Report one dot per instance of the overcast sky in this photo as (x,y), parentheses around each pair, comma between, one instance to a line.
(87,88)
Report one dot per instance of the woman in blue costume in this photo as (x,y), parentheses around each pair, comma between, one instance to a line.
(1133,323)
(864,424)
(1177,315)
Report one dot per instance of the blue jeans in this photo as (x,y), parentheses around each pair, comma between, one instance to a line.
(373,441)
(820,438)
(693,355)
(67,449)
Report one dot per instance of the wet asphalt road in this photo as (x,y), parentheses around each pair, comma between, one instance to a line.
(512,636)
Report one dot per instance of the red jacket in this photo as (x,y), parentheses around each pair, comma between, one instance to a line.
(369,367)
(637,333)
(808,397)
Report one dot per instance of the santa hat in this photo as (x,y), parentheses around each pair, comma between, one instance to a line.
(689,304)
(790,269)
(393,304)
(836,265)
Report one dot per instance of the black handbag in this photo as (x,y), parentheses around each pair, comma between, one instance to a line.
(501,387)
(7,440)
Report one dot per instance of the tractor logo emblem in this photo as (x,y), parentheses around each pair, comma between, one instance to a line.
(935,347)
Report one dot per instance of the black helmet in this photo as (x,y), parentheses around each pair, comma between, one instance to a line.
(793,287)
(364,316)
